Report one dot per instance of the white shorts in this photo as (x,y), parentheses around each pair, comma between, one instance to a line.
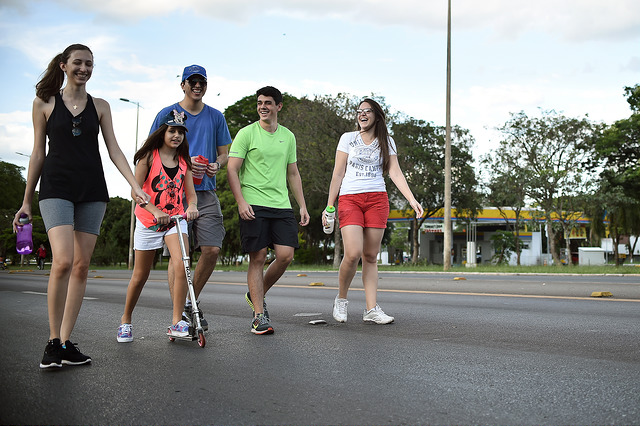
(146,239)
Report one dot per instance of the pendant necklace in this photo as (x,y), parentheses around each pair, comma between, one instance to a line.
(62,93)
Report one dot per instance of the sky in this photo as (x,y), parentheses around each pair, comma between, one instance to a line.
(572,56)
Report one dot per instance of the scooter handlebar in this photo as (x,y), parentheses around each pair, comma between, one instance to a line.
(180,216)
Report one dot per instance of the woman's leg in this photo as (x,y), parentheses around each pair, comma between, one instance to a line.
(83,246)
(61,240)
(141,269)
(352,238)
(180,277)
(372,241)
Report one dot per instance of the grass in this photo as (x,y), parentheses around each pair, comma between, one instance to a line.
(577,269)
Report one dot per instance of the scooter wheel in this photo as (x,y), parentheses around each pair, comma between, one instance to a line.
(201,340)
(172,339)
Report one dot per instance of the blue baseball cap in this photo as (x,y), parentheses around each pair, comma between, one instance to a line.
(176,119)
(193,70)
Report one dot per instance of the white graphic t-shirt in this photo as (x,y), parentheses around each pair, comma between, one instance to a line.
(364,164)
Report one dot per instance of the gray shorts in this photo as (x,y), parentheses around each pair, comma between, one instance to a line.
(208,229)
(84,217)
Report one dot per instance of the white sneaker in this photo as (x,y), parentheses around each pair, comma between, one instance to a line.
(181,329)
(340,309)
(125,333)
(377,315)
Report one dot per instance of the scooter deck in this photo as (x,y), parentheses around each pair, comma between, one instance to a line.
(185,338)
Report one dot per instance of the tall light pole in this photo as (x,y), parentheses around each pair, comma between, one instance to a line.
(133,203)
(447,155)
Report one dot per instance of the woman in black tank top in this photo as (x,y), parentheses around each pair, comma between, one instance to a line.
(70,175)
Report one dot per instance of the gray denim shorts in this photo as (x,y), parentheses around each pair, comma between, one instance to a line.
(84,217)
(208,228)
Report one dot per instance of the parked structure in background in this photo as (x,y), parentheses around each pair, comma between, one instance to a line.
(476,235)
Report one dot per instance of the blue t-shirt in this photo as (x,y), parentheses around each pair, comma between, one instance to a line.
(206,132)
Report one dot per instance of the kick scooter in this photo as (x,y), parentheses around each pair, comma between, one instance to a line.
(195,326)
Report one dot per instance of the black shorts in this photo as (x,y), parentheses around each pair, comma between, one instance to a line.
(271,226)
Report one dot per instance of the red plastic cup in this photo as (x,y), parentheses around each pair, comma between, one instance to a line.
(197,179)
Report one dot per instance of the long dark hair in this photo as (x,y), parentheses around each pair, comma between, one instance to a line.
(53,77)
(380,131)
(156,140)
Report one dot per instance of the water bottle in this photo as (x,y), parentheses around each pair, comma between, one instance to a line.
(24,243)
(330,213)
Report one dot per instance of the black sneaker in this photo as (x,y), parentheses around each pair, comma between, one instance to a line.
(260,325)
(71,355)
(247,297)
(187,315)
(52,354)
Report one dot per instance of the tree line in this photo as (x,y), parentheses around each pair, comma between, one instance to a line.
(562,165)
(569,167)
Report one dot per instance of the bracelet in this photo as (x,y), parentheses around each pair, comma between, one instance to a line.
(218,165)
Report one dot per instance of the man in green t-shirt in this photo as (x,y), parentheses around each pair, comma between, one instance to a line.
(262,160)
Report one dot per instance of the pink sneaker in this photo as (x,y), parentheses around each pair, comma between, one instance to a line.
(181,329)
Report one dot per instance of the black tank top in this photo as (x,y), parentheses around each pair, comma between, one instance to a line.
(72,169)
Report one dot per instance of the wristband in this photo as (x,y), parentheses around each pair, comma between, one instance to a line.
(218,165)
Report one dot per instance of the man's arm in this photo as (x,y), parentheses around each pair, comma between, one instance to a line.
(244,209)
(295,183)
(222,159)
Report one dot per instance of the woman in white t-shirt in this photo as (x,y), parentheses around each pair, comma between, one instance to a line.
(363,208)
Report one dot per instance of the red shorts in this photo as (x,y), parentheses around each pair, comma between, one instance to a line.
(368,209)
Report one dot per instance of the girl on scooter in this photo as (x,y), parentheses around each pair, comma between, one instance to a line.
(163,169)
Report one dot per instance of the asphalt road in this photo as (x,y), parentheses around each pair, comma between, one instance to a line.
(491,349)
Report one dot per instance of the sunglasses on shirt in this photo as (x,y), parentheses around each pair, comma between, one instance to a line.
(76,130)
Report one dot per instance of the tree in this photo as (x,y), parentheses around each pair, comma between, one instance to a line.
(421,157)
(554,151)
(618,150)
(617,153)
(230,249)
(506,183)
(11,200)
(318,124)
(112,245)
(240,114)
(504,243)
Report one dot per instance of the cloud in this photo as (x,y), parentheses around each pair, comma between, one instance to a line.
(632,65)
(15,129)
(573,20)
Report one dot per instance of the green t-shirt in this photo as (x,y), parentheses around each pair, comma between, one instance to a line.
(263,175)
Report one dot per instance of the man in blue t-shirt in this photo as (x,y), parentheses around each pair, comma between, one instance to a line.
(208,137)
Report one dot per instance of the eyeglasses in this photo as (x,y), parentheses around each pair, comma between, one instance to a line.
(365,110)
(76,130)
(194,81)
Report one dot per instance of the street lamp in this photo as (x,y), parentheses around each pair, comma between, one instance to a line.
(448,237)
(133,203)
